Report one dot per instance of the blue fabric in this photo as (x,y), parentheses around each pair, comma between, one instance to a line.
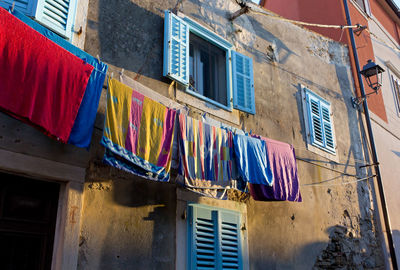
(251,160)
(81,133)
(119,162)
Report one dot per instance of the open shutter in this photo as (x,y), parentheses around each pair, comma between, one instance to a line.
(315,121)
(230,247)
(27,7)
(176,48)
(57,15)
(203,238)
(327,126)
(243,83)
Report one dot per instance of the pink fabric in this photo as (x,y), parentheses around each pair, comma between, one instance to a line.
(40,83)
(169,123)
(134,122)
(284,168)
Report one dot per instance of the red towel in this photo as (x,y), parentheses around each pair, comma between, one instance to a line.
(40,82)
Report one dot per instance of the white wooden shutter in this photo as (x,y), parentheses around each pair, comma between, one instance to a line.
(57,15)
(176,48)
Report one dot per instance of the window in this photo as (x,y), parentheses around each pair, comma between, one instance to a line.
(57,15)
(319,122)
(364,5)
(214,238)
(396,92)
(207,65)
(207,69)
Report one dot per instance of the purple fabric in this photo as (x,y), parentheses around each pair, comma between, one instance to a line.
(286,182)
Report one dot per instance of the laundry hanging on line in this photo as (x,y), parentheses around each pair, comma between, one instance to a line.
(42,84)
(252,161)
(286,186)
(138,133)
(82,129)
(206,155)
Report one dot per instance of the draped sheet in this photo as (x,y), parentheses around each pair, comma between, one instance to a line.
(82,129)
(206,156)
(252,161)
(138,133)
(286,185)
(41,83)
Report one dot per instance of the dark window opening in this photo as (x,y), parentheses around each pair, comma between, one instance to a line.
(207,70)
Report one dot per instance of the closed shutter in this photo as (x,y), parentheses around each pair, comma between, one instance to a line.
(203,238)
(320,122)
(57,15)
(315,122)
(231,249)
(327,125)
(243,83)
(27,7)
(214,238)
(176,48)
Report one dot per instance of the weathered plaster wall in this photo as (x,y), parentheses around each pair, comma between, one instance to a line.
(129,222)
(387,134)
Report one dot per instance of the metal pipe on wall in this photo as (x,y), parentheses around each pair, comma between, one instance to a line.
(372,143)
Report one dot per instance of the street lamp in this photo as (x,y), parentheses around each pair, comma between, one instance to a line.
(373,76)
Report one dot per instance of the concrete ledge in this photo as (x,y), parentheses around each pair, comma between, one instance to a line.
(40,168)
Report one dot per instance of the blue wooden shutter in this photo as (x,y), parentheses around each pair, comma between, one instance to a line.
(230,255)
(243,83)
(27,7)
(328,128)
(320,122)
(176,48)
(57,15)
(214,238)
(203,238)
(315,121)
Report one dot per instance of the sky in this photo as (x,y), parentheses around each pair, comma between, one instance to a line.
(397,3)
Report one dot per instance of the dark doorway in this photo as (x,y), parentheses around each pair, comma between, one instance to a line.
(28,212)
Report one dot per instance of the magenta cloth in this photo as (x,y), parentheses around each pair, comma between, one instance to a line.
(282,160)
(41,83)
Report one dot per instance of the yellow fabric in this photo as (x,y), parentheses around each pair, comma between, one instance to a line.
(118,111)
(151,130)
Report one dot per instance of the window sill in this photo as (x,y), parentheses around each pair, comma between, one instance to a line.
(323,153)
(231,116)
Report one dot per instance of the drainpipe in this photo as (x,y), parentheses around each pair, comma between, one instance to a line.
(372,143)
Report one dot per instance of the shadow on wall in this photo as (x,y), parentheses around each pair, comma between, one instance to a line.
(281,49)
(342,251)
(397,153)
(131,36)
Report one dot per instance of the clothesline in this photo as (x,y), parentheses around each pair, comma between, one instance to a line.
(323,26)
(304,23)
(337,184)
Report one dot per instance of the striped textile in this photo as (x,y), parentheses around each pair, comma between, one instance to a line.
(206,156)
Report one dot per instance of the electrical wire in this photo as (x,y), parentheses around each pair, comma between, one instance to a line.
(338,184)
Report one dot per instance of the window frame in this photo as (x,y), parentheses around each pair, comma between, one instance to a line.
(306,93)
(366,8)
(209,36)
(395,81)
